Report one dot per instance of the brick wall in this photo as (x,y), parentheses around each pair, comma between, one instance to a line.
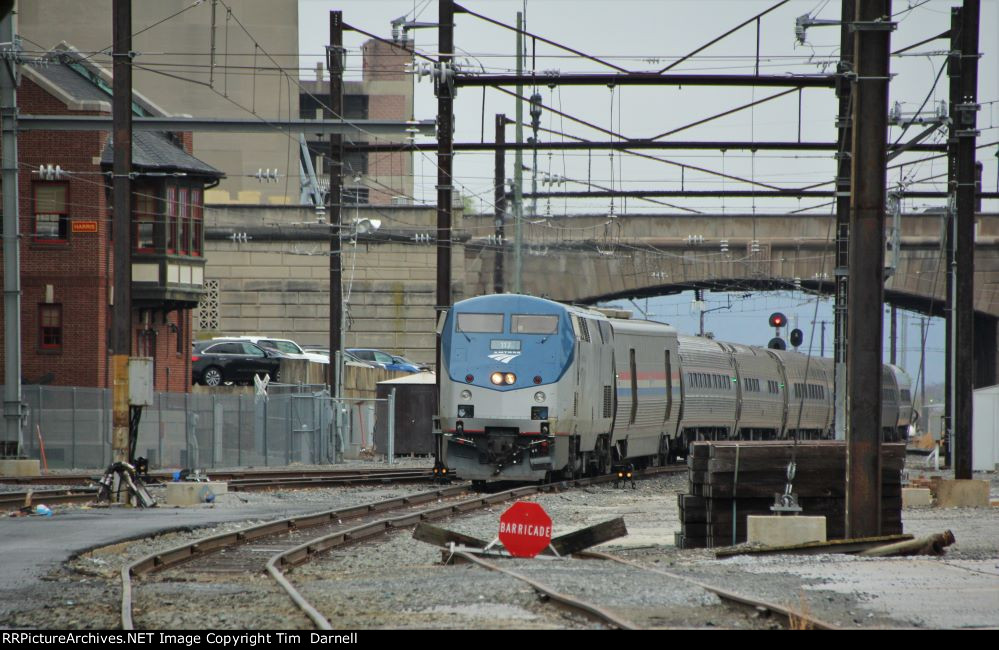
(77,272)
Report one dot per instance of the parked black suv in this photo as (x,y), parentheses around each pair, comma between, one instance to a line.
(222,361)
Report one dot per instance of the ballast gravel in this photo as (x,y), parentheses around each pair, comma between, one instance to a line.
(397,582)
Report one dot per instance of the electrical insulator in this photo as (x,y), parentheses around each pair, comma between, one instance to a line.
(50,172)
(266,175)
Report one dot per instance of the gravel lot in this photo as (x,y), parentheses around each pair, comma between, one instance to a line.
(400,583)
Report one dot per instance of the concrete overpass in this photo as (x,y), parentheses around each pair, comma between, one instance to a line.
(586,259)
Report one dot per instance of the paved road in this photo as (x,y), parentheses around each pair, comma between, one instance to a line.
(31,547)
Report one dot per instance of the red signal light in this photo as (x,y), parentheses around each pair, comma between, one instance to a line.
(778,319)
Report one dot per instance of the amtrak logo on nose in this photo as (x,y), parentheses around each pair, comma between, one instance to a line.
(504,357)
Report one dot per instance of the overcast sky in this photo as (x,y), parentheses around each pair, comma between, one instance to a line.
(646,36)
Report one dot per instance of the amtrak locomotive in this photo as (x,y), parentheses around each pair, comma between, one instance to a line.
(533,389)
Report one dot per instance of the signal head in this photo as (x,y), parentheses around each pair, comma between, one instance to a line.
(778,319)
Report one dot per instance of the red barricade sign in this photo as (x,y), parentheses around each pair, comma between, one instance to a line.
(525,529)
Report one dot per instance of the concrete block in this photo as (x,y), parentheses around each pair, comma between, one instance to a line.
(916,497)
(785,531)
(967,493)
(192,493)
(11,467)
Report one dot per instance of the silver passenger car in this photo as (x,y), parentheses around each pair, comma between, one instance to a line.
(809,385)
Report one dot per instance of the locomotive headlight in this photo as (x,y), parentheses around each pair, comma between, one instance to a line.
(539,397)
(509,378)
(466,395)
(496,378)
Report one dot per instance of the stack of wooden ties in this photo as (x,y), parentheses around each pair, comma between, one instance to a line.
(729,480)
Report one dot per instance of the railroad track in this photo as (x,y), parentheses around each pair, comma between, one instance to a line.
(326,531)
(15,500)
(793,619)
(222,475)
(604,614)
(239,481)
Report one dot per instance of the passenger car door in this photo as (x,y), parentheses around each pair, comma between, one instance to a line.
(386,361)
(255,361)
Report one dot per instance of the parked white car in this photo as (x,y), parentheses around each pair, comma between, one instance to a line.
(286,346)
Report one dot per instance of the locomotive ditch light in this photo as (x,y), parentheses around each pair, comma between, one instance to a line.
(539,396)
(466,395)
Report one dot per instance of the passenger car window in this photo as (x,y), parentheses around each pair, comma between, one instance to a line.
(531,324)
(252,350)
(225,348)
(480,323)
(282,346)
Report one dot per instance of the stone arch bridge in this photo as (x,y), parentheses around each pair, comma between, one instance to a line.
(586,259)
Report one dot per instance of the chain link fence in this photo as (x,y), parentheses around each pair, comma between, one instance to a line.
(290,424)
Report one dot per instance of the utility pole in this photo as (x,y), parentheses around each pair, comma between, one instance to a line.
(965,117)
(499,200)
(444,89)
(905,340)
(893,334)
(822,339)
(535,125)
(865,328)
(121,332)
(844,122)
(13,436)
(518,171)
(335,63)
(949,235)
(922,363)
